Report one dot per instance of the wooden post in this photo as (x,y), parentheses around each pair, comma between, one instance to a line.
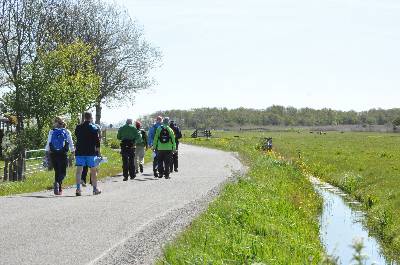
(5,177)
(20,167)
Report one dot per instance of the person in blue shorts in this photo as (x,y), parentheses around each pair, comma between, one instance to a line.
(86,151)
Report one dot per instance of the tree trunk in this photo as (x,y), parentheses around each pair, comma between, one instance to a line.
(98,112)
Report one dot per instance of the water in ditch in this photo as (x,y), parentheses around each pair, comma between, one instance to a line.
(341,223)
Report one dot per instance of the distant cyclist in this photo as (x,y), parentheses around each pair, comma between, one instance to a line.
(164,145)
(87,151)
(59,141)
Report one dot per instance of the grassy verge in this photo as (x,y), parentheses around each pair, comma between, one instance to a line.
(366,165)
(270,216)
(44,180)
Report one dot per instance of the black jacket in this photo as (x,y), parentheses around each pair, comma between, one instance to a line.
(177,131)
(87,139)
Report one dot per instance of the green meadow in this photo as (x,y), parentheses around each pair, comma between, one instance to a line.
(276,193)
(270,215)
(365,165)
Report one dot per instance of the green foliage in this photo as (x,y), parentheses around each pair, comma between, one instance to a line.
(215,118)
(268,217)
(59,82)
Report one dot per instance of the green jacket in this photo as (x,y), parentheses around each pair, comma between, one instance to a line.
(171,145)
(143,138)
(129,132)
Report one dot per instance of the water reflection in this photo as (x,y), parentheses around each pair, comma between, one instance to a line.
(341,224)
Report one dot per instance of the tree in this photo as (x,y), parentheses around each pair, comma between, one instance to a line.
(124,58)
(59,82)
(17,28)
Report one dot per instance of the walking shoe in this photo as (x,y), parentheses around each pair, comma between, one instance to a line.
(125,179)
(56,188)
(96,192)
(141,168)
(176,170)
(78,192)
(167,177)
(83,183)
(155,174)
(134,176)
(137,171)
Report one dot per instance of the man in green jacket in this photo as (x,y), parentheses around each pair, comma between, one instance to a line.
(164,144)
(128,135)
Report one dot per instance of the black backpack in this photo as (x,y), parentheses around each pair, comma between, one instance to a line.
(164,135)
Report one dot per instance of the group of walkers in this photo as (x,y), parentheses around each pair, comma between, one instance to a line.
(163,139)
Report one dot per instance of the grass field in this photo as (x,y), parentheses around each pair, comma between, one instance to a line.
(365,165)
(269,216)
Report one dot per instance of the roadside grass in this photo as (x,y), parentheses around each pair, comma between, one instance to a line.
(269,216)
(44,180)
(365,165)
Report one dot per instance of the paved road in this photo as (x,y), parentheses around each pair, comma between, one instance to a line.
(127,224)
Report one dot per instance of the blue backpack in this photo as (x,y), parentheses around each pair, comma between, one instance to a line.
(58,140)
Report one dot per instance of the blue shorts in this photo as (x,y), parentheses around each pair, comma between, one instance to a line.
(90,161)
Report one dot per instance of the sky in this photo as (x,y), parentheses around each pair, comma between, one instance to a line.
(339,54)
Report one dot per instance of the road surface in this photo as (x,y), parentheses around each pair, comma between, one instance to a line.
(127,224)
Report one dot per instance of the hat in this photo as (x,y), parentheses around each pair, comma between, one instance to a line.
(166,120)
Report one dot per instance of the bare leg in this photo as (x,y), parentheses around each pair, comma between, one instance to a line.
(78,176)
(93,177)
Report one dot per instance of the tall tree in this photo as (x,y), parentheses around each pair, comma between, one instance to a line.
(124,58)
(59,82)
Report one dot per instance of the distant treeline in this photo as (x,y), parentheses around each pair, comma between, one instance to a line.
(216,118)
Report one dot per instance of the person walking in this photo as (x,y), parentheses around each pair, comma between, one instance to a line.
(59,141)
(128,135)
(152,132)
(87,150)
(85,169)
(178,135)
(164,144)
(141,146)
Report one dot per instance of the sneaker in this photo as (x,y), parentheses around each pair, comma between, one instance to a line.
(134,176)
(83,183)
(56,188)
(78,192)
(137,171)
(155,174)
(96,192)
(125,179)
(141,168)
(176,170)
(167,177)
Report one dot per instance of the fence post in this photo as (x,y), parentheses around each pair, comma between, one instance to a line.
(11,170)
(20,166)
(5,177)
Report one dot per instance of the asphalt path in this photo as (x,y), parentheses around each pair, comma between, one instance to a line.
(127,224)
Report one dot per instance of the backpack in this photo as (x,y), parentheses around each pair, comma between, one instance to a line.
(164,135)
(58,139)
